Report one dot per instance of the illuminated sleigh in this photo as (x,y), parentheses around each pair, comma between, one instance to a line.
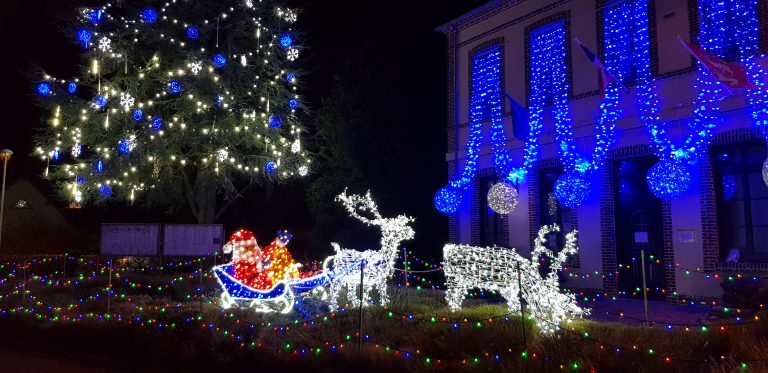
(279,298)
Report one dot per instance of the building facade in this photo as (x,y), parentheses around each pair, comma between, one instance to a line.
(672,108)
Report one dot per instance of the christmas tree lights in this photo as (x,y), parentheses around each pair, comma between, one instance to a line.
(376,265)
(165,75)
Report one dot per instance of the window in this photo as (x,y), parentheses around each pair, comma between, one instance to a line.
(625,34)
(729,28)
(548,68)
(21,204)
(742,201)
(550,211)
(491,223)
(486,84)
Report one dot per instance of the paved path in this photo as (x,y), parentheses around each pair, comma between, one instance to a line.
(633,313)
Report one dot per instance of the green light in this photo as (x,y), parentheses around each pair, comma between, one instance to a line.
(427,360)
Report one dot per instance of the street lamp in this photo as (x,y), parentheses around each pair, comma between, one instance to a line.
(5,156)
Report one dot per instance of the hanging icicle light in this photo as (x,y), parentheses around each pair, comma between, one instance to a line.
(503,198)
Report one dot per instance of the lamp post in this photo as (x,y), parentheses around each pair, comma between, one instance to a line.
(5,156)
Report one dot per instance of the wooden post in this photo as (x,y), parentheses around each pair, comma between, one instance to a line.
(360,325)
(109,286)
(522,307)
(405,265)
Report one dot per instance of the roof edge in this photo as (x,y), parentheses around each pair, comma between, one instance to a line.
(466,16)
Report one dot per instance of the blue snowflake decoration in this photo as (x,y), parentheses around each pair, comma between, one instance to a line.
(72,88)
(286,40)
(149,15)
(157,123)
(95,17)
(138,115)
(105,191)
(271,167)
(218,99)
(219,60)
(174,87)
(125,146)
(84,36)
(100,102)
(668,180)
(290,77)
(55,155)
(275,121)
(80,180)
(447,200)
(44,89)
(572,189)
(293,104)
(98,166)
(192,32)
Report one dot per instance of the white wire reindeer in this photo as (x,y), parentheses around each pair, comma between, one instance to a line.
(496,268)
(378,264)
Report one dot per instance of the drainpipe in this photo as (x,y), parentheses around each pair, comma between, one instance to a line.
(455,32)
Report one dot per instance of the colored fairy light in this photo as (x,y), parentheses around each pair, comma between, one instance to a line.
(572,189)
(72,88)
(157,123)
(376,265)
(219,60)
(105,191)
(174,87)
(275,121)
(138,115)
(669,179)
(44,89)
(84,36)
(192,32)
(271,167)
(286,40)
(293,104)
(448,200)
(496,269)
(149,15)
(503,198)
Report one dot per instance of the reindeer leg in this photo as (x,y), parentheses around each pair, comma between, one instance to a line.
(383,296)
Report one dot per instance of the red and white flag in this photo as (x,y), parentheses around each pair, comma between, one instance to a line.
(731,74)
(605,77)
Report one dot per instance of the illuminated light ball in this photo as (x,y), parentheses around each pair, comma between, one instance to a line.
(43,89)
(219,60)
(98,166)
(125,146)
(765,171)
(84,36)
(447,200)
(275,121)
(149,15)
(55,155)
(72,88)
(138,115)
(174,87)
(105,191)
(192,32)
(572,189)
(80,180)
(668,179)
(286,40)
(293,104)
(100,102)
(271,167)
(157,123)
(503,198)
(290,77)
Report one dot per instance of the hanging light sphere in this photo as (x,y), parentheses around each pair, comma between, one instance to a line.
(503,198)
(271,167)
(98,166)
(138,115)
(192,32)
(149,15)
(668,180)
(99,102)
(219,60)
(174,87)
(105,191)
(43,89)
(765,172)
(80,180)
(157,123)
(72,88)
(447,200)
(293,104)
(286,40)
(275,121)
(572,189)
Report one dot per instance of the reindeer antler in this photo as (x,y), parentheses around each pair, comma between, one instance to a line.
(355,202)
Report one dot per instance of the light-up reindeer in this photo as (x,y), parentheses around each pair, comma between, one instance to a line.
(377,265)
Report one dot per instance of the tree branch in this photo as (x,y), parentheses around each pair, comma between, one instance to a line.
(238,195)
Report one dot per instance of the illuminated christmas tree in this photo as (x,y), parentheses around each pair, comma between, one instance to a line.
(182,102)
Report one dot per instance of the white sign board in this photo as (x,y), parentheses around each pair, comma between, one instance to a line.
(192,239)
(130,239)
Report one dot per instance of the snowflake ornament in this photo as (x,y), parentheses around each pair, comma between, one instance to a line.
(303,170)
(296,146)
(126,100)
(222,155)
(249,3)
(289,16)
(105,45)
(293,54)
(77,149)
(195,67)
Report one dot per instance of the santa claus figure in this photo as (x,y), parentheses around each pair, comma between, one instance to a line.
(246,255)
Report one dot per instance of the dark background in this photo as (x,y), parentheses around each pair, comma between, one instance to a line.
(394,40)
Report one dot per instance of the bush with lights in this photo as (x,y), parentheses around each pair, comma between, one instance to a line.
(182,102)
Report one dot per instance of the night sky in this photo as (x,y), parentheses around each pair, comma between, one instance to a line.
(397,35)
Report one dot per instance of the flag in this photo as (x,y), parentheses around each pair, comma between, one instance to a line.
(732,75)
(520,126)
(605,77)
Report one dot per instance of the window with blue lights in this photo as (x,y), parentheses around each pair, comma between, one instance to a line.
(729,28)
(486,82)
(625,37)
(548,75)
(742,201)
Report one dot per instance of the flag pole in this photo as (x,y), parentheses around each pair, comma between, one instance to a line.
(605,69)
(685,45)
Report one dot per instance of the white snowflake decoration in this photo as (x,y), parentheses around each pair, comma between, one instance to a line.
(290,16)
(105,45)
(195,67)
(249,3)
(222,155)
(293,54)
(303,170)
(77,149)
(378,264)
(296,146)
(126,100)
